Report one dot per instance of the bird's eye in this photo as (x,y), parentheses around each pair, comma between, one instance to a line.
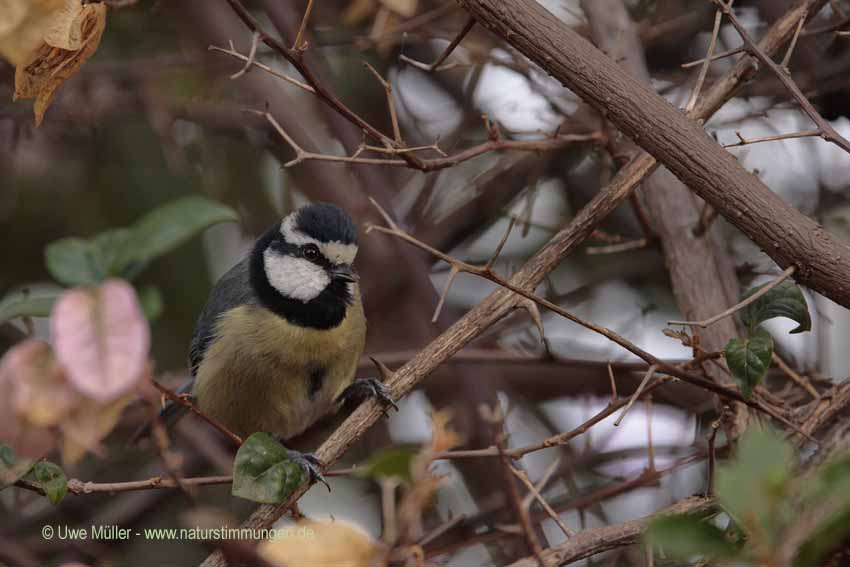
(311,252)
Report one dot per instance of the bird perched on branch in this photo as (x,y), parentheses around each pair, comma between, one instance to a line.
(277,345)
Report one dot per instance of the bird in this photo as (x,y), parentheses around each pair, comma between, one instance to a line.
(277,344)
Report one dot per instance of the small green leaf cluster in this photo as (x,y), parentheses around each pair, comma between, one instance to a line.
(120,253)
(764,503)
(264,472)
(749,358)
(47,475)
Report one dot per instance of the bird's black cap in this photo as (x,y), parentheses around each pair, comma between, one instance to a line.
(326,223)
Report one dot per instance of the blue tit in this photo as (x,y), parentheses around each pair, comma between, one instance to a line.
(277,345)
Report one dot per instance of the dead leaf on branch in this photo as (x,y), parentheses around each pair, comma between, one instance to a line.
(22,26)
(425,483)
(324,544)
(69,35)
(404,8)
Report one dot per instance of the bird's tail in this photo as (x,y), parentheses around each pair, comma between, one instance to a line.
(168,416)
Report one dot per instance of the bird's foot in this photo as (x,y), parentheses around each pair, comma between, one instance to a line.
(363,388)
(311,465)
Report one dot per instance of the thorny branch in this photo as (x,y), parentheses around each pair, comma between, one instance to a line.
(827,132)
(556,142)
(487,272)
(503,301)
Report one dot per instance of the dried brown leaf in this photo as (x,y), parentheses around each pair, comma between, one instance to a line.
(71,35)
(424,483)
(22,26)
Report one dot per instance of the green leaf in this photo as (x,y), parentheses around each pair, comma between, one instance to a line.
(683,537)
(263,471)
(169,226)
(150,300)
(752,488)
(392,462)
(110,249)
(749,359)
(784,300)
(52,479)
(12,468)
(124,252)
(27,304)
(73,261)
(826,538)
(829,489)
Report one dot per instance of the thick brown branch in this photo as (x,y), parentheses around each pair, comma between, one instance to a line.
(596,540)
(501,302)
(785,234)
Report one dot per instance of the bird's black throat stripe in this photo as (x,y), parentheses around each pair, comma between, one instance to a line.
(317,379)
(325,311)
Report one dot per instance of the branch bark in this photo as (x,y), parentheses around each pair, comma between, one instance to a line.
(596,540)
(681,144)
(701,272)
(502,301)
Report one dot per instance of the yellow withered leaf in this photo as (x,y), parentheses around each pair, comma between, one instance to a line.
(357,11)
(324,544)
(70,36)
(404,8)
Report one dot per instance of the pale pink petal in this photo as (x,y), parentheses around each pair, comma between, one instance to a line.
(102,339)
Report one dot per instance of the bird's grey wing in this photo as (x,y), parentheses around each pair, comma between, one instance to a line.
(232,290)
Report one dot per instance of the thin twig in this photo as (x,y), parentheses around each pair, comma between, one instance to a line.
(689,377)
(827,132)
(191,407)
(435,66)
(435,164)
(613,384)
(721,55)
(300,44)
(786,60)
(441,529)
(249,62)
(388,509)
(169,459)
(649,444)
(788,272)
(516,503)
(81,487)
(646,378)
(535,493)
(266,68)
(801,381)
(453,273)
(627,246)
(746,141)
(388,90)
(712,457)
(703,72)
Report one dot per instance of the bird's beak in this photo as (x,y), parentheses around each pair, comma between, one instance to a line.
(344,273)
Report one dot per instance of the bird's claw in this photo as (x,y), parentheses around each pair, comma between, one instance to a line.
(311,465)
(363,388)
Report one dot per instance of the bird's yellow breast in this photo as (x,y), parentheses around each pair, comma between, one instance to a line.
(262,373)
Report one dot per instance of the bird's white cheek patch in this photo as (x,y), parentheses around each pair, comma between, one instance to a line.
(295,278)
